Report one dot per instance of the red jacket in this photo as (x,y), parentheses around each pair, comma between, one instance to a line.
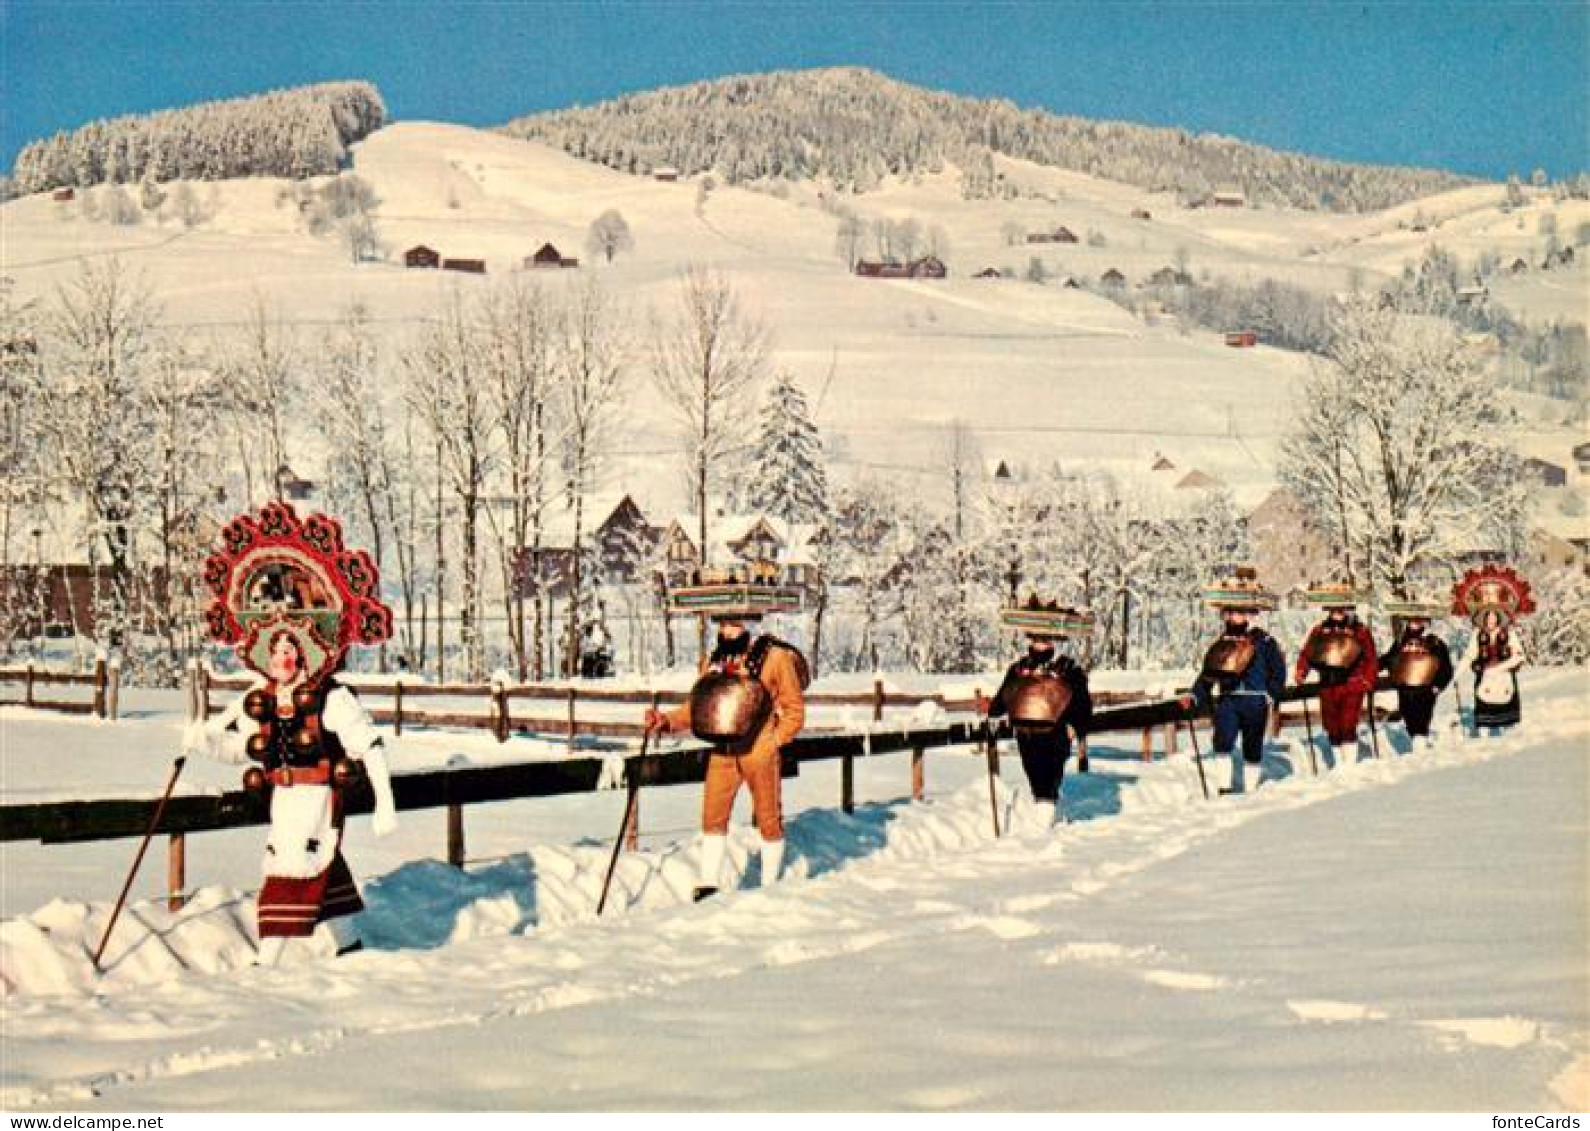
(1361,679)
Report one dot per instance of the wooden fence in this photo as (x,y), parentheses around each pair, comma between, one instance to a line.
(497,714)
(104,682)
(76,821)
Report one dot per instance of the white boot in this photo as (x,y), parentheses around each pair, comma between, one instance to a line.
(713,847)
(270,951)
(772,861)
(1346,753)
(345,933)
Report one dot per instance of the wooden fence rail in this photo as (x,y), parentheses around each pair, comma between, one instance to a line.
(497,715)
(104,683)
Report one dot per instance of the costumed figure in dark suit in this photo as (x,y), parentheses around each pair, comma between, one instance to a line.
(313,741)
(1420,666)
(1243,674)
(1341,651)
(1045,694)
(1494,598)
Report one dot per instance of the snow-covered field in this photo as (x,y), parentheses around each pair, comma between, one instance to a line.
(1409,933)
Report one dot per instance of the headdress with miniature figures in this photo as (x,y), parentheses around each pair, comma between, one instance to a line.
(277,574)
(1492,589)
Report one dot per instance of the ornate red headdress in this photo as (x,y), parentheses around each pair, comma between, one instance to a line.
(1492,588)
(278,574)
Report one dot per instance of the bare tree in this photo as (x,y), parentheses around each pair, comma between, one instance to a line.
(447,388)
(520,326)
(1398,445)
(608,235)
(591,367)
(363,460)
(705,362)
(262,374)
(91,390)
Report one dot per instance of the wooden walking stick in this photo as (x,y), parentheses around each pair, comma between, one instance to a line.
(992,751)
(1473,727)
(1374,731)
(632,785)
(1308,725)
(1192,733)
(154,823)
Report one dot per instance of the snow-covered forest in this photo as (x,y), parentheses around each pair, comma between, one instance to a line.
(303,132)
(855,127)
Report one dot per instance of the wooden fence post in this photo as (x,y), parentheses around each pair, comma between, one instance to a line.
(113,698)
(177,872)
(918,782)
(27,695)
(847,780)
(877,700)
(455,834)
(1148,744)
(1170,739)
(499,703)
(100,679)
(397,707)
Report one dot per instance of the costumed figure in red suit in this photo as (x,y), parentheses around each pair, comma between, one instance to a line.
(1494,597)
(293,600)
(1342,651)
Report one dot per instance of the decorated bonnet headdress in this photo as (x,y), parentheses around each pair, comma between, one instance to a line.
(276,574)
(1492,589)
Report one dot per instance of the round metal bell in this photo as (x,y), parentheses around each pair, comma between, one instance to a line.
(304,740)
(727,708)
(1038,701)
(257,746)
(1229,656)
(1414,668)
(257,705)
(1338,651)
(255,781)
(305,700)
(348,773)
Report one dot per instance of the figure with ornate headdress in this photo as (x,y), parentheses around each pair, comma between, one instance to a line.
(293,600)
(1494,598)
(1044,693)
(748,704)
(1419,665)
(1243,673)
(1341,651)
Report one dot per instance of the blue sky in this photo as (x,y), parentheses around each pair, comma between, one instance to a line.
(1480,87)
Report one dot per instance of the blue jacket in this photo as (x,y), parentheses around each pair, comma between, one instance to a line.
(1266,675)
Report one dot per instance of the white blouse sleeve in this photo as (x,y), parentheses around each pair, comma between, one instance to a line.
(346,717)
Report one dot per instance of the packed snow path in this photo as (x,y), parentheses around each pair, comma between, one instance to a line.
(1402,934)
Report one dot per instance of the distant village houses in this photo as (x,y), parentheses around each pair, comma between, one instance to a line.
(421,256)
(928,267)
(549,256)
(1059,235)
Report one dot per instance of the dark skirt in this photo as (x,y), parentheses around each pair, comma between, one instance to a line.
(1497,714)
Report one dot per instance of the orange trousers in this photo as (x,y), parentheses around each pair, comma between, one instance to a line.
(761,770)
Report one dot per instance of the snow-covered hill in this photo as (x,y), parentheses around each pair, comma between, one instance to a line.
(1041,372)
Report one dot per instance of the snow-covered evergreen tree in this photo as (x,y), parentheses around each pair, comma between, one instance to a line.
(784,474)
